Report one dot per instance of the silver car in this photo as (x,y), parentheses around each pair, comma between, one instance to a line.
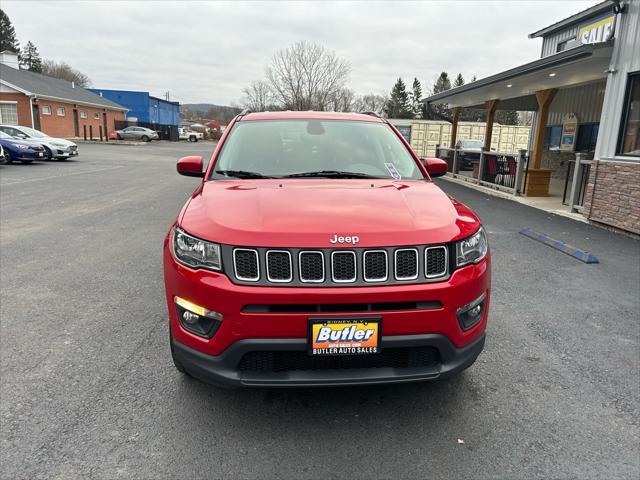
(137,133)
(58,148)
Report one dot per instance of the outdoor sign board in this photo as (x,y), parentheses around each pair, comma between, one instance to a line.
(598,30)
(569,133)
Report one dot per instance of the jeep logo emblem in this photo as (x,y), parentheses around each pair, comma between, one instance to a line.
(352,240)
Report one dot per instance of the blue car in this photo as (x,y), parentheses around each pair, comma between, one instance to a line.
(25,151)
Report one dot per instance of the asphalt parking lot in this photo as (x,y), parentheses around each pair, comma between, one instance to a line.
(87,387)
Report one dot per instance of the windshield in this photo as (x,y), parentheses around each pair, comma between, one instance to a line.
(472,144)
(328,148)
(32,132)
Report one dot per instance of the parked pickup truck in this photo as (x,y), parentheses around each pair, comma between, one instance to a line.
(185,134)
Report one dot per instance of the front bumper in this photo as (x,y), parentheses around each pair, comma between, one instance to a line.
(223,369)
(64,152)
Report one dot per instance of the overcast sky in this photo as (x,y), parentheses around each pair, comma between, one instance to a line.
(208,51)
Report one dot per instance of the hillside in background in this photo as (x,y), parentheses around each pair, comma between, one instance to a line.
(195,111)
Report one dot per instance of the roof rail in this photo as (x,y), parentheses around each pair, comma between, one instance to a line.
(373,114)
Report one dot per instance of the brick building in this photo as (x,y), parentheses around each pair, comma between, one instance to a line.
(52,105)
(584,91)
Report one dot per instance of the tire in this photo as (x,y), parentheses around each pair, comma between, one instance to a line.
(193,138)
(48,153)
(119,137)
(145,138)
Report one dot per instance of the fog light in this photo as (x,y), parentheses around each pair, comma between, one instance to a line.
(190,318)
(471,313)
(196,319)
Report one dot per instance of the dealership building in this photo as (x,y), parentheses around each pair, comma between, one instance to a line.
(57,107)
(584,91)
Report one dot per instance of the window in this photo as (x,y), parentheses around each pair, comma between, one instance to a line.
(96,115)
(587,137)
(60,111)
(8,113)
(562,46)
(46,109)
(552,137)
(280,148)
(629,143)
(83,114)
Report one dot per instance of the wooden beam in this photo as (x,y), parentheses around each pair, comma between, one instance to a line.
(490,106)
(454,126)
(544,98)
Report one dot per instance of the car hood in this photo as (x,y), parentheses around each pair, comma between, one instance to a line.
(52,140)
(8,141)
(309,212)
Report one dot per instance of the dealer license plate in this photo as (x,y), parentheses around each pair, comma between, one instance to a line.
(344,336)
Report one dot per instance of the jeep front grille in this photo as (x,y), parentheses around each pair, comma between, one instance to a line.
(337,267)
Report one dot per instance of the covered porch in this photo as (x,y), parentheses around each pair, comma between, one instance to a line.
(565,92)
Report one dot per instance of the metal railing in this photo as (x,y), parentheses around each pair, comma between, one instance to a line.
(499,170)
(578,170)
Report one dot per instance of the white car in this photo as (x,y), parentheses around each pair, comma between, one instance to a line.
(57,148)
(186,134)
(3,159)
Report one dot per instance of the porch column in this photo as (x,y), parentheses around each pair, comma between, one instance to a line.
(454,126)
(538,178)
(490,107)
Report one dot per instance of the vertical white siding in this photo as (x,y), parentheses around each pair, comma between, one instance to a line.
(584,100)
(550,42)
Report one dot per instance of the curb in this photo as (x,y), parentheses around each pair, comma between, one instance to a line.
(574,252)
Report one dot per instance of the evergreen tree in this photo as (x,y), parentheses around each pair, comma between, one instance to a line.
(8,40)
(416,96)
(507,117)
(30,58)
(398,105)
(439,112)
(459,81)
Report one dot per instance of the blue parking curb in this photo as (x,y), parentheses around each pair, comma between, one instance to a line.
(581,255)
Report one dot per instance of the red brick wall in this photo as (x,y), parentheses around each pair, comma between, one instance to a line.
(613,195)
(62,126)
(23,108)
(59,126)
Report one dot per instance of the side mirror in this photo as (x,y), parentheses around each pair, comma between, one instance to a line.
(435,166)
(190,166)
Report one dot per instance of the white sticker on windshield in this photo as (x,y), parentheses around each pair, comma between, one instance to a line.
(393,171)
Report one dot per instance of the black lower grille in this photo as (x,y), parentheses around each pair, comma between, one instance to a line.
(436,261)
(286,361)
(341,307)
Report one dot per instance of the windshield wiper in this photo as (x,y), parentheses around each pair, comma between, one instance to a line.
(241,174)
(331,174)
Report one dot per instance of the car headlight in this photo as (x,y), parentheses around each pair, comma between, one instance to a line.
(20,146)
(58,144)
(194,252)
(472,249)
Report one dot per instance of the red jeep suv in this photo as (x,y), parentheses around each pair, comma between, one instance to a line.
(317,250)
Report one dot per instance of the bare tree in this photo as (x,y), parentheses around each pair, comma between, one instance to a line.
(343,100)
(66,72)
(306,76)
(370,103)
(258,97)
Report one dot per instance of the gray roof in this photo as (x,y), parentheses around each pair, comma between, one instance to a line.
(601,7)
(562,58)
(53,88)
